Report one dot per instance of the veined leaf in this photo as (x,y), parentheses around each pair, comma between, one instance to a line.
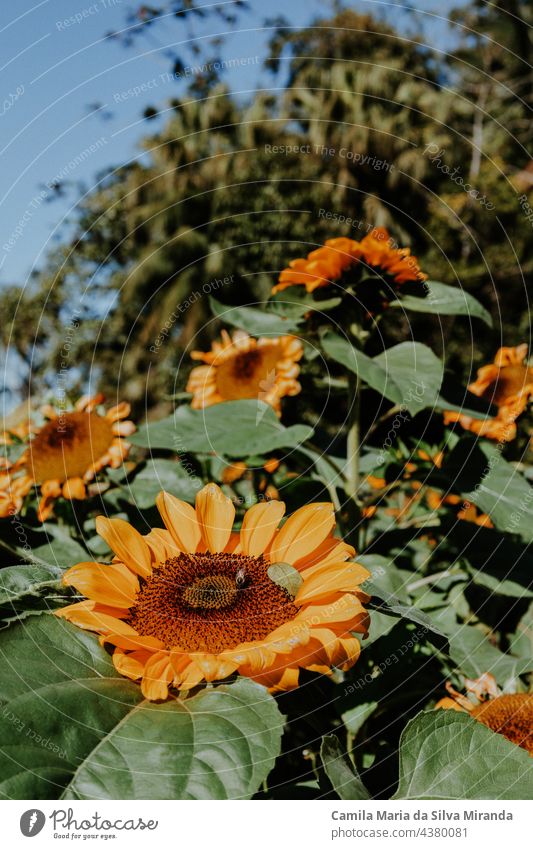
(233,428)
(445,754)
(72,728)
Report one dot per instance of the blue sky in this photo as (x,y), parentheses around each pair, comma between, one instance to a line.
(54,67)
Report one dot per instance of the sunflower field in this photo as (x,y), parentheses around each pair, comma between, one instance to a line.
(278,546)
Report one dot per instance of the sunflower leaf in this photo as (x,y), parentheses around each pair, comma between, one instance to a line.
(157,475)
(26,590)
(341,773)
(285,576)
(71,727)
(232,428)
(408,374)
(257,322)
(386,603)
(444,300)
(445,754)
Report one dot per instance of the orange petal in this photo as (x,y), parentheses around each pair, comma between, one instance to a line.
(130,665)
(123,428)
(112,584)
(215,514)
(120,411)
(213,668)
(132,642)
(127,543)
(332,550)
(92,617)
(157,676)
(448,704)
(341,578)
(180,521)
(346,610)
(303,532)
(74,488)
(259,525)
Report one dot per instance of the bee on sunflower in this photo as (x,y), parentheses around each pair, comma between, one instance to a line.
(198,601)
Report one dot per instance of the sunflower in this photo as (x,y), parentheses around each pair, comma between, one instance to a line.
(196,602)
(510,714)
(243,367)
(328,263)
(70,448)
(507,383)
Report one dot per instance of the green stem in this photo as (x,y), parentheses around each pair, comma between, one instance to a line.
(354,439)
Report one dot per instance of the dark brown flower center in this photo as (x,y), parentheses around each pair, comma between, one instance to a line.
(510,381)
(210,602)
(248,373)
(68,446)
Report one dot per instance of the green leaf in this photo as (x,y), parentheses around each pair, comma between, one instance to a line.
(355,717)
(296,302)
(157,475)
(409,374)
(285,576)
(507,497)
(29,589)
(496,560)
(475,654)
(72,728)
(416,370)
(387,603)
(234,428)
(444,300)
(257,322)
(343,352)
(445,754)
(342,774)
(59,551)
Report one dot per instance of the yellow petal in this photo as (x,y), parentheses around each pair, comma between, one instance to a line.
(180,521)
(157,676)
(127,543)
(112,584)
(213,668)
(93,617)
(130,665)
(215,514)
(259,525)
(74,488)
(339,578)
(303,532)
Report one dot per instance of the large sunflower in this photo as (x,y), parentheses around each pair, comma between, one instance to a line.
(243,367)
(506,383)
(328,263)
(70,448)
(196,602)
(510,714)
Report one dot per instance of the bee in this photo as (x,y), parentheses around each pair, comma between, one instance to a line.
(240,578)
